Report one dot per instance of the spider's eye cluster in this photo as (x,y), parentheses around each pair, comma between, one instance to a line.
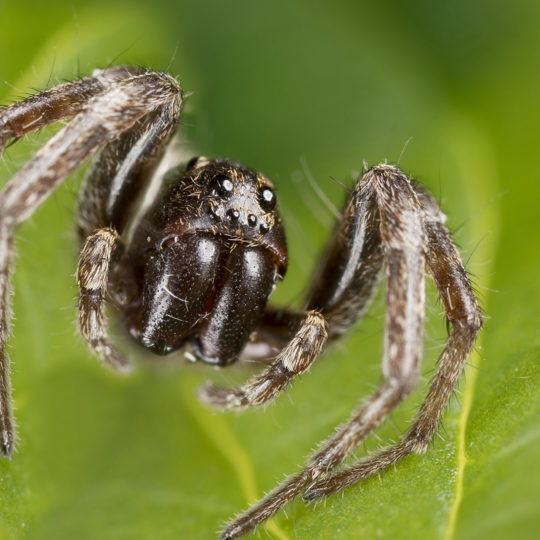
(222,185)
(267,199)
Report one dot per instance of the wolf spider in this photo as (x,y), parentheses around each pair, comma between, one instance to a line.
(196,266)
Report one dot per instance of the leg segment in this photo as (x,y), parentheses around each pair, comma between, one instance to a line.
(119,178)
(59,103)
(105,116)
(346,283)
(462,311)
(7,433)
(92,278)
(294,359)
(403,240)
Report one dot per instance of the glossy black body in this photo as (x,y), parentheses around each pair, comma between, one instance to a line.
(203,261)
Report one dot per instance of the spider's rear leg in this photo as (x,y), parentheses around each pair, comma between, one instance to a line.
(103,118)
(7,434)
(59,103)
(462,311)
(399,219)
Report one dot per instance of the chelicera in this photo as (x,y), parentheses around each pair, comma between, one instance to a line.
(192,265)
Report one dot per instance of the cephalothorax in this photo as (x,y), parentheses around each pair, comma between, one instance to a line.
(194,267)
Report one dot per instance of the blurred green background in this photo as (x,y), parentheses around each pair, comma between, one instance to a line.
(291,89)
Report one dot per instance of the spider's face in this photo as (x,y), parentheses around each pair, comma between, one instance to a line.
(243,201)
(230,200)
(214,249)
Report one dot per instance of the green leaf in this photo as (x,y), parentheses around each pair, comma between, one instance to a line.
(286,87)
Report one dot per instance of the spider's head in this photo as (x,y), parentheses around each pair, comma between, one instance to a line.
(214,249)
(230,200)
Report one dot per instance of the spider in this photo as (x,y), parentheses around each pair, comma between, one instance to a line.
(194,263)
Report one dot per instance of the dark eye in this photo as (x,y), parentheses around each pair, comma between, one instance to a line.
(267,199)
(222,185)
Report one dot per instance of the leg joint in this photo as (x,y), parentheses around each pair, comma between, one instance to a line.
(473,322)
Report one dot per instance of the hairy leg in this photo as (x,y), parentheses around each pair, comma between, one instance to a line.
(120,176)
(104,117)
(462,311)
(92,278)
(7,433)
(403,239)
(61,102)
(345,285)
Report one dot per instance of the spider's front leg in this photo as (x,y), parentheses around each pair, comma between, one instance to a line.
(105,105)
(383,210)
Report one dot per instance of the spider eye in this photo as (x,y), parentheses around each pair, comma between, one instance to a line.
(222,185)
(267,199)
